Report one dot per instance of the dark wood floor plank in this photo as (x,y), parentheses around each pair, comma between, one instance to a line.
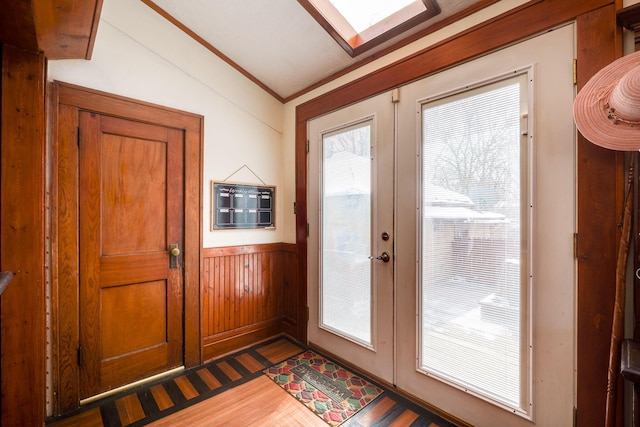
(279,351)
(250,363)
(129,409)
(198,383)
(229,371)
(187,389)
(209,379)
(390,416)
(88,418)
(148,403)
(110,417)
(406,419)
(162,397)
(219,374)
(260,358)
(373,412)
(239,367)
(174,392)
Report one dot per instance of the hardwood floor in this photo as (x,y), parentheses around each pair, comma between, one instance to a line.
(241,407)
(232,391)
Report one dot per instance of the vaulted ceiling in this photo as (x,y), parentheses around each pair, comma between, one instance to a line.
(280,45)
(277,43)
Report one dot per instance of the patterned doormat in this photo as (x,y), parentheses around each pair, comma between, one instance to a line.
(329,390)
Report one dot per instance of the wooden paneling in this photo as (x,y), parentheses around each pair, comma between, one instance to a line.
(291,291)
(244,295)
(22,238)
(66,270)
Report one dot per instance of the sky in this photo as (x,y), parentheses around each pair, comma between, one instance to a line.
(362,14)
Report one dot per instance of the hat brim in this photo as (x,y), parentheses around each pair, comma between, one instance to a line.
(590,108)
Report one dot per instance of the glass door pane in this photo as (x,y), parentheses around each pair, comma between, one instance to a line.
(346,232)
(474,239)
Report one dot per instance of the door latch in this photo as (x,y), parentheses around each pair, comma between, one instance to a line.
(174,253)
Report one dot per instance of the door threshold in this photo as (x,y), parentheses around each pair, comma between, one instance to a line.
(132,385)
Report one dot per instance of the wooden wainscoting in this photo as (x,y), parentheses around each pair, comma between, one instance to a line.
(249,294)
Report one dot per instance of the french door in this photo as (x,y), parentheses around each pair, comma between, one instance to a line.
(471,179)
(351,187)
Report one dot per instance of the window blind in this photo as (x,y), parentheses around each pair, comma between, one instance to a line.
(346,232)
(473,260)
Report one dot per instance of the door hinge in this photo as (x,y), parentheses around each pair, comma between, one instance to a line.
(78,136)
(575,417)
(294,208)
(395,96)
(306,314)
(575,245)
(307,146)
(307,229)
(575,71)
(80,356)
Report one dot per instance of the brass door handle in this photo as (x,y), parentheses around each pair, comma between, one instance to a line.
(174,252)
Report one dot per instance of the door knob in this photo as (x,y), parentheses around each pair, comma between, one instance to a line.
(174,251)
(384,257)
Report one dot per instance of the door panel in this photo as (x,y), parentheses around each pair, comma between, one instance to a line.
(547,304)
(131,209)
(351,164)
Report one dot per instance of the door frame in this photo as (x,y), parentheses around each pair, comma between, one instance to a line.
(65,102)
(600,172)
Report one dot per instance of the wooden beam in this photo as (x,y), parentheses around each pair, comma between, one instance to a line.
(22,237)
(66,29)
(62,29)
(16,25)
(600,200)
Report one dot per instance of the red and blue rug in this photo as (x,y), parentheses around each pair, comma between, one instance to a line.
(330,391)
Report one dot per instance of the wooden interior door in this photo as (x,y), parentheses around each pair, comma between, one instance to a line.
(131,209)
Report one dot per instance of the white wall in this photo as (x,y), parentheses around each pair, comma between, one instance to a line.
(138,54)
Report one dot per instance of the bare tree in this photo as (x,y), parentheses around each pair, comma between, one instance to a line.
(355,140)
(475,153)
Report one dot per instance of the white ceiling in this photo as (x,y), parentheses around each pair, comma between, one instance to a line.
(277,41)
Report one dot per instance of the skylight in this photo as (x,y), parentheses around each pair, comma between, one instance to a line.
(359,25)
(364,14)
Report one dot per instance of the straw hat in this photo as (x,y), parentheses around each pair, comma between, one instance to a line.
(607,109)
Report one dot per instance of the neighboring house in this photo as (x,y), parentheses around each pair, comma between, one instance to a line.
(458,228)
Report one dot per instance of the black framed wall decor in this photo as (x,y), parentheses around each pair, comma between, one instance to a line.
(242,206)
